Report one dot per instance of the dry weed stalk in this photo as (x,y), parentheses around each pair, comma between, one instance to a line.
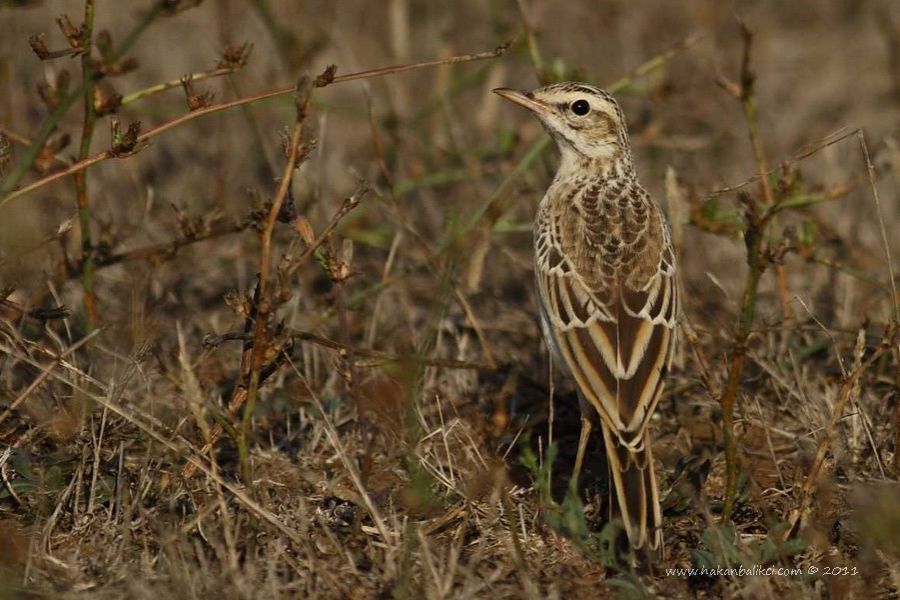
(758,216)
(266,351)
(84,42)
(264,300)
(275,357)
(759,219)
(849,383)
(751,115)
(8,193)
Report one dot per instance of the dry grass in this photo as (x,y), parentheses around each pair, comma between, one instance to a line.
(406,434)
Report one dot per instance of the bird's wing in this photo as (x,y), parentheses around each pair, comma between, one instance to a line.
(615,340)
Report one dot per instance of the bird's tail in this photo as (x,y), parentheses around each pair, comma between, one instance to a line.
(634,498)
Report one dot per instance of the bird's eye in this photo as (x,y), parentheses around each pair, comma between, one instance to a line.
(581,107)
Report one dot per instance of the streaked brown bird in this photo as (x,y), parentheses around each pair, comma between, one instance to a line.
(607,290)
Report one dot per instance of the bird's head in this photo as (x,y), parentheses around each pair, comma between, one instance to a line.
(585,121)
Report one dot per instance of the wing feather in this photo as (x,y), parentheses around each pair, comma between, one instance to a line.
(619,350)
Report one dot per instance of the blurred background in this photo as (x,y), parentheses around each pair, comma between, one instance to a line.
(440,270)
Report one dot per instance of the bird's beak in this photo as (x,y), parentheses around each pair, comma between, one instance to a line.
(523,99)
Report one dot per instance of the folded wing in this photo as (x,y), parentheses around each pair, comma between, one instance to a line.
(616,340)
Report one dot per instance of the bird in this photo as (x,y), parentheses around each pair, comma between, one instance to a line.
(607,291)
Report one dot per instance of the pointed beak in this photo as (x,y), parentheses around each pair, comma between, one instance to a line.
(523,99)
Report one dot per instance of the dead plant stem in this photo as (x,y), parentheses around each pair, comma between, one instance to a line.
(174,83)
(81,188)
(751,115)
(264,304)
(8,193)
(49,125)
(754,234)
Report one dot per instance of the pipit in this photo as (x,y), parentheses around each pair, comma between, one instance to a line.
(607,291)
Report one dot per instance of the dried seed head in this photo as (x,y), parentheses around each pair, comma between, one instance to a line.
(125,144)
(46,159)
(195,101)
(39,47)
(284,138)
(106,100)
(54,88)
(288,210)
(338,268)
(74,35)
(235,57)
(259,211)
(304,230)
(109,64)
(190,226)
(242,305)
(326,77)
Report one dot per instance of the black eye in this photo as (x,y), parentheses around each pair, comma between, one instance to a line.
(581,107)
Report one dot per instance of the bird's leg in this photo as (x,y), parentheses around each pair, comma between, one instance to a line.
(582,446)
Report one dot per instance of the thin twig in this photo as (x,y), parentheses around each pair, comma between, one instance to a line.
(385,357)
(757,219)
(174,83)
(810,149)
(495,53)
(167,250)
(751,112)
(264,303)
(144,137)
